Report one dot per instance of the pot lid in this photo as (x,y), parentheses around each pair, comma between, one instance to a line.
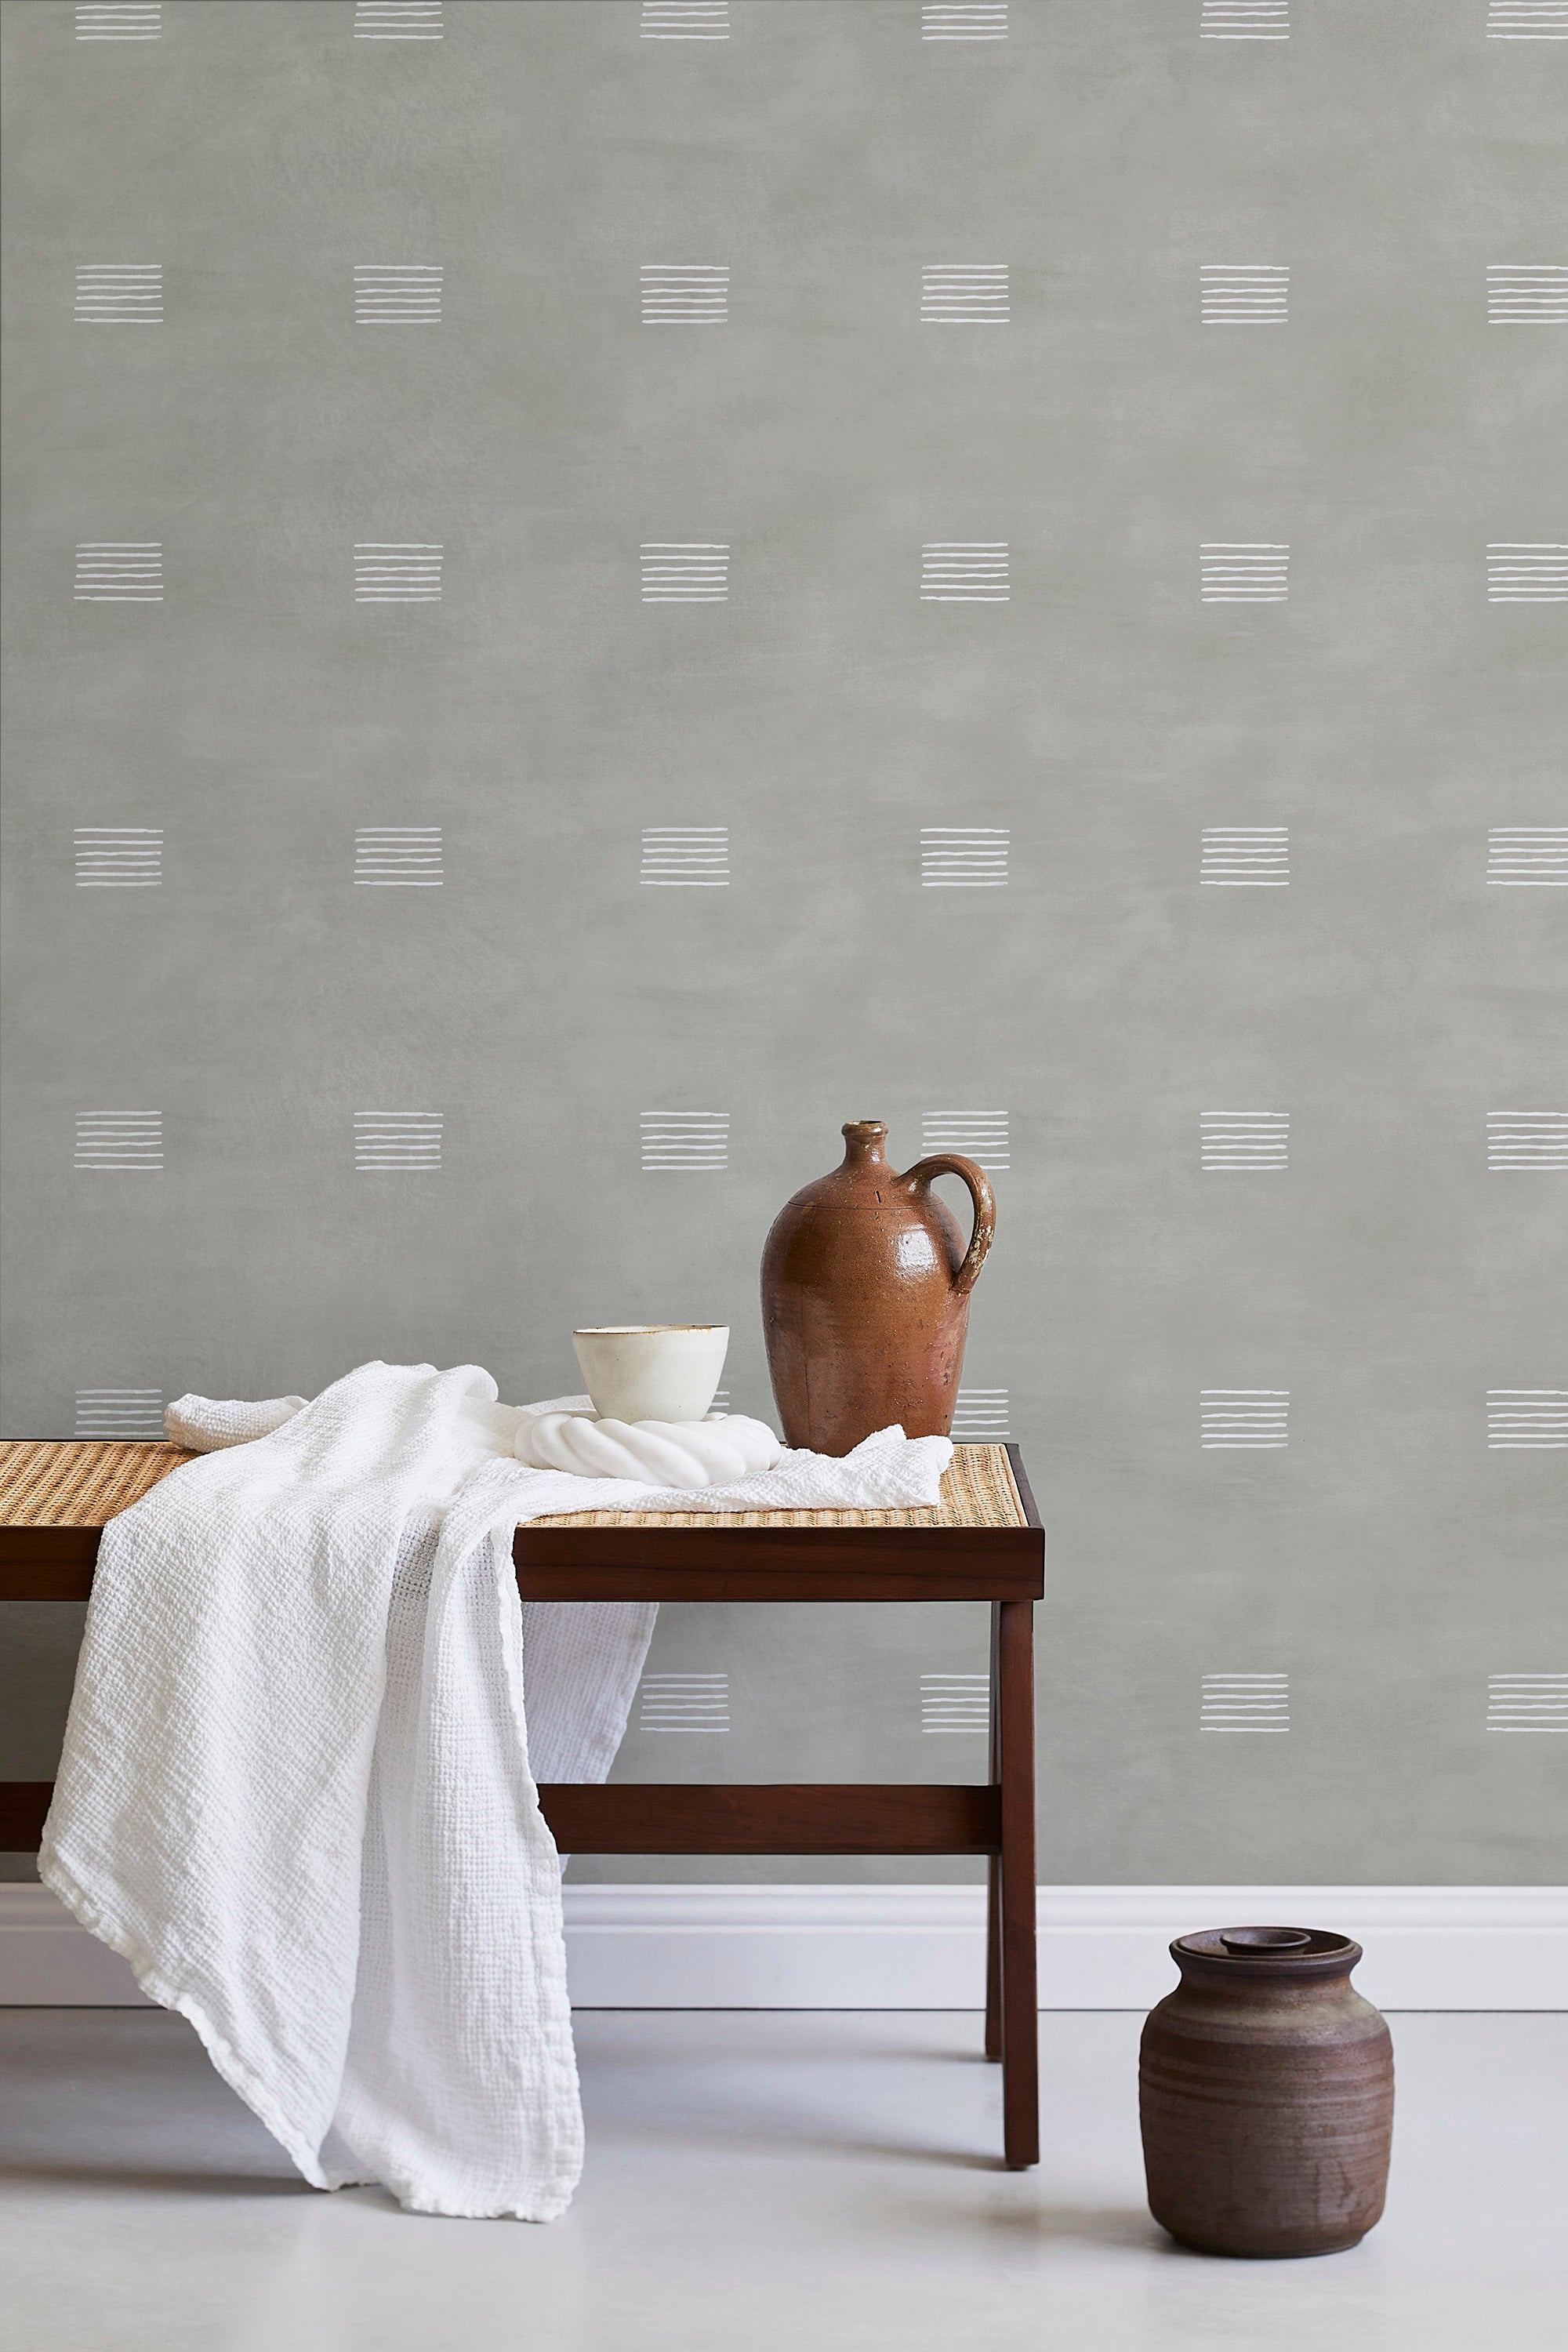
(1314,1950)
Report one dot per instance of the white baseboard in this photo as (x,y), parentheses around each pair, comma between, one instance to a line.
(1100,1947)
(712,1946)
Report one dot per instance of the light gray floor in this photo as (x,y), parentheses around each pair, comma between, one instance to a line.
(823,2182)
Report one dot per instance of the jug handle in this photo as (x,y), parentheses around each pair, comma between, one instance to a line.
(948,1163)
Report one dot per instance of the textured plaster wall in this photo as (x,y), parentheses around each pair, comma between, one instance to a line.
(1384,726)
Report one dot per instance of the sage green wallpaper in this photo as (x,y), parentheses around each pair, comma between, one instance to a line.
(597,586)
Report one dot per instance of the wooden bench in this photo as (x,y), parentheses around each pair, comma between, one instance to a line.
(983,1543)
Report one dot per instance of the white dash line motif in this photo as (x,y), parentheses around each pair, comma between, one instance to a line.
(686,856)
(1245,857)
(1243,1419)
(397,293)
(1244,572)
(963,572)
(964,20)
(683,1703)
(1243,1141)
(684,1143)
(685,294)
(1520,295)
(685,572)
(397,571)
(955,1704)
(1244,1703)
(979,1135)
(1244,294)
(685,20)
(965,857)
(128,22)
(398,856)
(119,857)
(120,1141)
(980,1416)
(398,1143)
(118,1413)
(119,294)
(1245,20)
(1527,1139)
(1527,1420)
(1527,572)
(964,294)
(1527,1703)
(1527,20)
(397,20)
(119,571)
(1528,855)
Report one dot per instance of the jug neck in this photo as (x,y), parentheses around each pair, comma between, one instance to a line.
(863,1141)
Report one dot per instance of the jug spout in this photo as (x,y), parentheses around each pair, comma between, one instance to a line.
(863,1141)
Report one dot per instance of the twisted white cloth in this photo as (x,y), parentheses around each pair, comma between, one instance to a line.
(207,1423)
(567,1435)
(298,1790)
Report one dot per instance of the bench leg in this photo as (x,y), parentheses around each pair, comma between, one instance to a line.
(993,1862)
(1012,1709)
(994,1957)
(993,1866)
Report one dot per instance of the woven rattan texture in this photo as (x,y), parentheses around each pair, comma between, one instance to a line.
(977,1491)
(82,1484)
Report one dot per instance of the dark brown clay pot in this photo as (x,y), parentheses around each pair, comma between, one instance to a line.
(1266,2092)
(865,1285)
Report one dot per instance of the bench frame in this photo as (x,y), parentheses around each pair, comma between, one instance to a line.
(1002,1565)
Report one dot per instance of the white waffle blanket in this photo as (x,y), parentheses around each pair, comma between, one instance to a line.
(296,1794)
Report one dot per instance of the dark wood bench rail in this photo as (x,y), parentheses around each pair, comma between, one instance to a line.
(683,1816)
(1004,1564)
(658,1563)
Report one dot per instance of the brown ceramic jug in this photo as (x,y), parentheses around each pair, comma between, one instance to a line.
(1266,2092)
(865,1285)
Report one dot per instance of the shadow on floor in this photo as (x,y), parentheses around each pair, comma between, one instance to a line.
(20,2171)
(1024,2224)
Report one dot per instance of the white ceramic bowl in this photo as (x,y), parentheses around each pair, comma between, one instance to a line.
(652,1372)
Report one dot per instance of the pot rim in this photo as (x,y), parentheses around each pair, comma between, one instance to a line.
(1326,1953)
